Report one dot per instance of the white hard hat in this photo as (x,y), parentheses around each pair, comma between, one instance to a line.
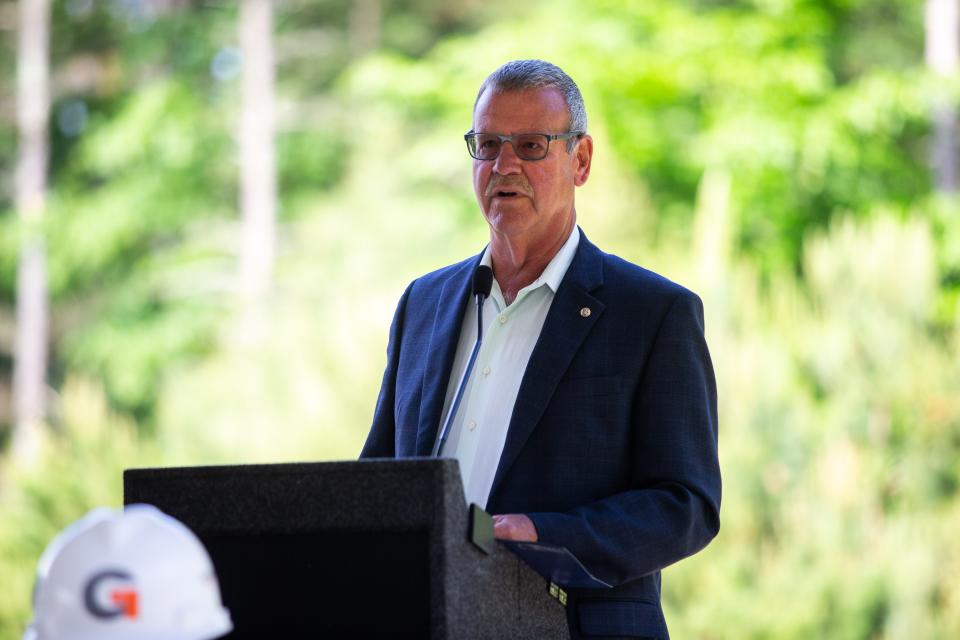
(136,574)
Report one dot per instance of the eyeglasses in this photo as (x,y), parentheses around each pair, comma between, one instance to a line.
(527,146)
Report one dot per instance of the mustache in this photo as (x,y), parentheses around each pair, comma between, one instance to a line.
(516,183)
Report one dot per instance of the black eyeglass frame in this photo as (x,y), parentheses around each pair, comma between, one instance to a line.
(550,137)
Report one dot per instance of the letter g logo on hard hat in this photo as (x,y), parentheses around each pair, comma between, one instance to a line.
(136,574)
(122,601)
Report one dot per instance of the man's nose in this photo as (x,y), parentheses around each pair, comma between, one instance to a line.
(507,162)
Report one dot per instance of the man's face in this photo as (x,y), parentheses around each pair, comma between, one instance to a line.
(532,199)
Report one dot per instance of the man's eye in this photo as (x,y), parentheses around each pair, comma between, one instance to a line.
(534,145)
(488,143)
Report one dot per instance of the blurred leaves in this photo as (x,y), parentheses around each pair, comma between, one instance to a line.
(80,467)
(841,451)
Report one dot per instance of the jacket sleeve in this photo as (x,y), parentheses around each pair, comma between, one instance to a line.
(381,441)
(672,507)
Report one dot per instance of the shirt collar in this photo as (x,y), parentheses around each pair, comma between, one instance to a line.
(553,274)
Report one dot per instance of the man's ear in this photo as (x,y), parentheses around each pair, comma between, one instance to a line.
(583,156)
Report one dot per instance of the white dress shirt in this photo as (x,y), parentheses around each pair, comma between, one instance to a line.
(479,429)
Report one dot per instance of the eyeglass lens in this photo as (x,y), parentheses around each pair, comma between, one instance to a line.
(528,146)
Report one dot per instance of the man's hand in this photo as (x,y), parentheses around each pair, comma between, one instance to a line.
(514,526)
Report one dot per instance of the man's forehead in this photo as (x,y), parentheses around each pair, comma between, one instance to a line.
(539,109)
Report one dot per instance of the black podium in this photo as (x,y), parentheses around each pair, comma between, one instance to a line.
(365,549)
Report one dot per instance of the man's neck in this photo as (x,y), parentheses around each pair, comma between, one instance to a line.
(517,263)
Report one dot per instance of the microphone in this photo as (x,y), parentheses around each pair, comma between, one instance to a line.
(482,283)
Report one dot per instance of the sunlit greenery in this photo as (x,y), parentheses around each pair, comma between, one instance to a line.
(769,154)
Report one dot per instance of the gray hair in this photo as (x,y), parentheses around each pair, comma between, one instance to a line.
(517,75)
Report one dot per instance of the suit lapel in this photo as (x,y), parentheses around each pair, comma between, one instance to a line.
(564,330)
(440,353)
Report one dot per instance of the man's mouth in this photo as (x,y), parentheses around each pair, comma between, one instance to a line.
(505,194)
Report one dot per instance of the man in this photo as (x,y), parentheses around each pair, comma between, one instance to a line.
(590,419)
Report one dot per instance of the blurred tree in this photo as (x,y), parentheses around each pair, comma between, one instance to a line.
(142,161)
(943,57)
(143,173)
(33,108)
(365,17)
(258,167)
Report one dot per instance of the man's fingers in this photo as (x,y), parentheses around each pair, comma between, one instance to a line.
(514,526)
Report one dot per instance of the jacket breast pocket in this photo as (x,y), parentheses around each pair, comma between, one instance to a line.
(621,619)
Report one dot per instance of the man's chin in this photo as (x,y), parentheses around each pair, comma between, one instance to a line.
(513,207)
(509,220)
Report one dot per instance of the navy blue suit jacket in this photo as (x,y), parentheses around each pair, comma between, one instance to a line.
(612,445)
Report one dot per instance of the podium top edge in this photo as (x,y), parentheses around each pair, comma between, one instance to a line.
(287,468)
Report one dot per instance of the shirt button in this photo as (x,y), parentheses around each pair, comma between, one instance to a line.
(486,371)
(472,425)
(502,319)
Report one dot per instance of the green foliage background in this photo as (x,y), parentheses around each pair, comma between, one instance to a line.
(769,154)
